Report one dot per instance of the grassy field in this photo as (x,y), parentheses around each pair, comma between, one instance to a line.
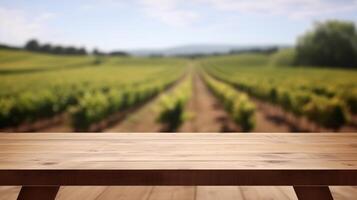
(16,62)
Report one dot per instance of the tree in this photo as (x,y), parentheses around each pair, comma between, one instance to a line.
(70,50)
(97,52)
(46,48)
(57,50)
(82,51)
(118,53)
(32,45)
(333,43)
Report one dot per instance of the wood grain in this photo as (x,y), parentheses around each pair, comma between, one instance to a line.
(178,159)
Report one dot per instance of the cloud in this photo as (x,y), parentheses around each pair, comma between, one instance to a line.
(295,9)
(177,13)
(170,12)
(16,26)
(91,5)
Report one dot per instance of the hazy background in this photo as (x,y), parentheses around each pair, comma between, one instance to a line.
(150,24)
(263,66)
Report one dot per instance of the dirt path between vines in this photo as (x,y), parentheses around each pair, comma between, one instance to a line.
(126,121)
(265,120)
(206,113)
(63,126)
(209,116)
(143,120)
(273,118)
(113,122)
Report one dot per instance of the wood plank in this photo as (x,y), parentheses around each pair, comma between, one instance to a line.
(213,193)
(126,192)
(9,192)
(202,193)
(186,136)
(181,156)
(80,192)
(172,193)
(268,192)
(178,159)
(344,193)
(179,177)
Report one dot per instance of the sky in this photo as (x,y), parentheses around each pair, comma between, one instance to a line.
(137,24)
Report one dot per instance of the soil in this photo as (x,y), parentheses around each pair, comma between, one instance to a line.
(143,119)
(273,118)
(208,114)
(282,121)
(61,123)
(205,112)
(42,124)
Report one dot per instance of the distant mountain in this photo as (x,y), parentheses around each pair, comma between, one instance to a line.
(197,49)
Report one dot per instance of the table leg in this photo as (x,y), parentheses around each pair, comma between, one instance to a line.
(38,193)
(313,193)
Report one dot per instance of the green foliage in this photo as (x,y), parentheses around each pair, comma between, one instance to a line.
(34,46)
(98,60)
(249,59)
(284,57)
(329,113)
(235,103)
(349,97)
(27,107)
(92,108)
(298,99)
(243,113)
(307,92)
(6,110)
(35,89)
(172,106)
(95,106)
(333,43)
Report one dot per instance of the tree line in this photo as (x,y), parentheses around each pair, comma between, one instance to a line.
(8,47)
(35,46)
(256,50)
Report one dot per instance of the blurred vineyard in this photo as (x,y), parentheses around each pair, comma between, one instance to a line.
(327,97)
(86,92)
(35,86)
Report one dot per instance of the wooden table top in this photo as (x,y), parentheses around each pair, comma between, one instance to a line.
(251,153)
(178,151)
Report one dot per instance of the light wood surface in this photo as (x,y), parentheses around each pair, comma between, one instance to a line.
(178,159)
(179,193)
